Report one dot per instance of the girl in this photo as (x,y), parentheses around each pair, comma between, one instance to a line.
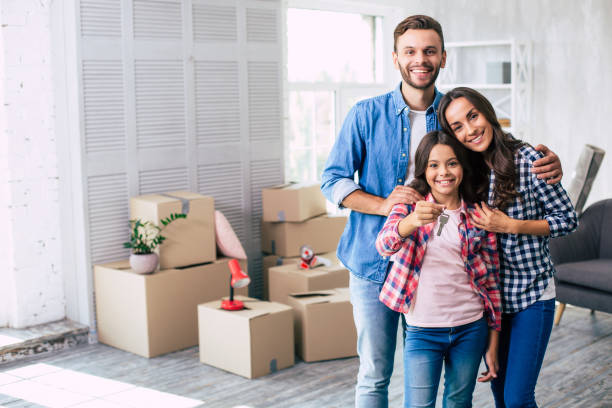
(444,278)
(525,211)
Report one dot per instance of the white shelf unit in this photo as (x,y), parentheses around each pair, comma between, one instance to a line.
(466,65)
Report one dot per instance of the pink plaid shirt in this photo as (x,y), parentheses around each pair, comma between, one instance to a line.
(478,251)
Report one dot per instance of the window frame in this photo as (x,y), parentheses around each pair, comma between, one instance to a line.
(386,75)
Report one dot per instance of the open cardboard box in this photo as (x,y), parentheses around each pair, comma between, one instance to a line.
(290,278)
(324,325)
(270,261)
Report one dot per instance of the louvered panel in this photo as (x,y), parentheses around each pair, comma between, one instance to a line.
(108,217)
(154,19)
(217,98)
(100,18)
(264,173)
(103,106)
(213,23)
(161,181)
(264,101)
(256,272)
(261,25)
(160,104)
(224,182)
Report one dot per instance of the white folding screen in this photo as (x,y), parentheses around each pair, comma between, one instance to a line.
(179,95)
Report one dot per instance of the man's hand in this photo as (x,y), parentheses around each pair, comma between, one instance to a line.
(400,194)
(548,167)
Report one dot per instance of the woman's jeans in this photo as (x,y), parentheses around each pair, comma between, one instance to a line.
(522,344)
(376,336)
(425,350)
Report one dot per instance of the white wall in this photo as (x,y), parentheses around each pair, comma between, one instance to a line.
(31,278)
(572,58)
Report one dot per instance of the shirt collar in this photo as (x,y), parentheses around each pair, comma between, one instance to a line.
(400,103)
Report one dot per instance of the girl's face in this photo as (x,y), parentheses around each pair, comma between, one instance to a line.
(469,126)
(444,173)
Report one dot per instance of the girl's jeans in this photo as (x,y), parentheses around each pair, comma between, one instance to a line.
(425,350)
(522,344)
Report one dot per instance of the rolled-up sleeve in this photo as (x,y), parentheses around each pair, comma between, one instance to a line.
(389,240)
(345,159)
(560,214)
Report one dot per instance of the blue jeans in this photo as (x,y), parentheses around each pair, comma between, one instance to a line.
(376,337)
(522,344)
(425,350)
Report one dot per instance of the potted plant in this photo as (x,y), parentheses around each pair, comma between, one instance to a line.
(144,239)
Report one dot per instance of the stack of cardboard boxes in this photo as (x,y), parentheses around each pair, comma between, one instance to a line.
(154,314)
(295,215)
(178,306)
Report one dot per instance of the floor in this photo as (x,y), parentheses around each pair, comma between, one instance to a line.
(577,372)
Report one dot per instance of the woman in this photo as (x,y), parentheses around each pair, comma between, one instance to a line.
(444,278)
(525,211)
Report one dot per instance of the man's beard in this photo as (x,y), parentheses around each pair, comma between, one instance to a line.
(406,76)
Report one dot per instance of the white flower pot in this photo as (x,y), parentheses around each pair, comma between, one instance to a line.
(144,263)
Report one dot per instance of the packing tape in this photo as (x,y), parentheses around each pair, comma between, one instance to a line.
(281,215)
(184,202)
(273,366)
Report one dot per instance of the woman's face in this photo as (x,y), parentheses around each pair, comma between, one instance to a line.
(469,126)
(443,173)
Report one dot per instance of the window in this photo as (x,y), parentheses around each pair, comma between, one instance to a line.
(334,59)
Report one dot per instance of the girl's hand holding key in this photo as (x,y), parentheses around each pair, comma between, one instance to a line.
(424,213)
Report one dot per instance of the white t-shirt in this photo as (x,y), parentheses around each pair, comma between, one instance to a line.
(444,295)
(418,129)
(550,292)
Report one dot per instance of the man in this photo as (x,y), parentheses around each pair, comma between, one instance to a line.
(378,140)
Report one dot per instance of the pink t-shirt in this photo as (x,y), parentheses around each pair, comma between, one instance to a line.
(444,296)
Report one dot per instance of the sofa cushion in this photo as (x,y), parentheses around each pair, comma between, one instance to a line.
(596,273)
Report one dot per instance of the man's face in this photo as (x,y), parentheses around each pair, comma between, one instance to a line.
(419,57)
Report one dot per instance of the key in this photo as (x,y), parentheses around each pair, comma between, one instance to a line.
(442,220)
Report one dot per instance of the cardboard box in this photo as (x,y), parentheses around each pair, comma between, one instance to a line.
(270,261)
(252,342)
(324,325)
(155,314)
(286,238)
(292,202)
(287,279)
(189,241)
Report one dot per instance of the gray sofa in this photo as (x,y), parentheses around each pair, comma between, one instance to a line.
(583,261)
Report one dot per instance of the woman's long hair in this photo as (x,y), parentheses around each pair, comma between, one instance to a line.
(470,182)
(499,156)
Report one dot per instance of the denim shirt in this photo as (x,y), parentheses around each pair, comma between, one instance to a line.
(374,142)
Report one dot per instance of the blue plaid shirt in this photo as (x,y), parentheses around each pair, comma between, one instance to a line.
(525,264)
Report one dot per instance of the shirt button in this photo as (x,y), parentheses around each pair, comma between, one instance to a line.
(405,129)
(399,180)
(403,154)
